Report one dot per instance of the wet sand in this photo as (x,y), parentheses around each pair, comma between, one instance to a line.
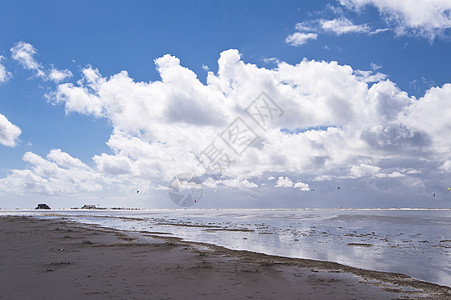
(55,259)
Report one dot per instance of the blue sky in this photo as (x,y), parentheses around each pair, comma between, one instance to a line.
(388,60)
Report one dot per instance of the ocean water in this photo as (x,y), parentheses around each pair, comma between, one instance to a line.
(412,242)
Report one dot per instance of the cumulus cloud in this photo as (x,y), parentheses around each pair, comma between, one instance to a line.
(112,164)
(171,119)
(4,74)
(57,174)
(431,114)
(284,182)
(334,126)
(8,132)
(428,18)
(302,186)
(24,53)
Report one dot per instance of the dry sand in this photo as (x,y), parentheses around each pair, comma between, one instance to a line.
(55,259)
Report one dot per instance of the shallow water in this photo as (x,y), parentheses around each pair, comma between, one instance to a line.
(413,242)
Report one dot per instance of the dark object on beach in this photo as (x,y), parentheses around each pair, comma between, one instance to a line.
(338,188)
(42,206)
(88,206)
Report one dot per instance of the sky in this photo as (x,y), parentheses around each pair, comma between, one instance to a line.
(252,104)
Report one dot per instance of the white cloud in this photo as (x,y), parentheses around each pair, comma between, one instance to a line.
(58,174)
(412,171)
(343,25)
(364,170)
(24,53)
(446,166)
(370,76)
(271,60)
(112,164)
(425,18)
(309,30)
(431,114)
(302,186)
(81,100)
(375,67)
(65,160)
(239,183)
(59,75)
(379,30)
(187,185)
(394,174)
(300,38)
(179,115)
(428,18)
(8,132)
(284,182)
(4,74)
(335,125)
(307,26)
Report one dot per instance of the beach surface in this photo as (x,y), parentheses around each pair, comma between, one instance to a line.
(58,259)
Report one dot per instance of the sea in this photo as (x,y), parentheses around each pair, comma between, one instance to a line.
(415,242)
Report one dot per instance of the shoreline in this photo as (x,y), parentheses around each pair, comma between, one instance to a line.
(389,242)
(206,265)
(225,209)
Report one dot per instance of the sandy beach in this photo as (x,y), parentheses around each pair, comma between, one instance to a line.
(57,259)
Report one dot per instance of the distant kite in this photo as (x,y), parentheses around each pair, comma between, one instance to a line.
(137,192)
(338,188)
(433,194)
(449,189)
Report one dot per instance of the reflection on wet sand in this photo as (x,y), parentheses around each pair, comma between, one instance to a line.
(413,242)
